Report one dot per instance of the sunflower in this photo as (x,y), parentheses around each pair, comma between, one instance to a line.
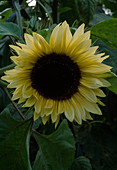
(63,76)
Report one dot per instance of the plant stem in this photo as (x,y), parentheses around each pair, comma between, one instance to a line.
(19,18)
(55,11)
(51,21)
(13,103)
(9,67)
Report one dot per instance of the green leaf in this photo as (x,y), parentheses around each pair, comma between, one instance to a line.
(8,67)
(64,9)
(106,31)
(4,52)
(87,9)
(71,15)
(3,99)
(81,163)
(99,17)
(99,144)
(11,29)
(56,151)
(14,143)
(5,14)
(3,2)
(113,81)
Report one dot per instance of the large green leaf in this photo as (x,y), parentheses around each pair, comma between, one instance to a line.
(3,99)
(99,17)
(14,143)
(106,31)
(113,81)
(99,144)
(4,52)
(5,14)
(71,15)
(56,151)
(87,9)
(11,29)
(81,163)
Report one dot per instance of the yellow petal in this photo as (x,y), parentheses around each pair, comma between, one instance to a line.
(79,110)
(78,32)
(54,114)
(30,102)
(100,102)
(15,59)
(21,100)
(27,90)
(43,43)
(77,41)
(83,46)
(91,82)
(90,107)
(97,68)
(69,111)
(57,121)
(29,41)
(99,92)
(60,38)
(38,105)
(45,119)
(16,48)
(61,107)
(105,82)
(49,103)
(87,93)
(88,116)
(36,116)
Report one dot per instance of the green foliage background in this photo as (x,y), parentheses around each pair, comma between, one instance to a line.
(25,145)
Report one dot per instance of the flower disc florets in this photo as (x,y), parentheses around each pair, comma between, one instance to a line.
(55,76)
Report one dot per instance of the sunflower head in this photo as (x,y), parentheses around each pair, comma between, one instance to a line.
(63,76)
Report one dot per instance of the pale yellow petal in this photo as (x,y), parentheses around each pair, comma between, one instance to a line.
(36,115)
(90,107)
(99,92)
(29,41)
(45,119)
(60,38)
(78,32)
(83,46)
(27,90)
(88,94)
(21,100)
(49,103)
(79,109)
(97,68)
(77,41)
(91,82)
(38,105)
(43,45)
(100,102)
(30,102)
(16,48)
(69,111)
(15,59)
(88,116)
(57,121)
(61,107)
(105,82)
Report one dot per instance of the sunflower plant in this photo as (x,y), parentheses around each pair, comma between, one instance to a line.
(57,77)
